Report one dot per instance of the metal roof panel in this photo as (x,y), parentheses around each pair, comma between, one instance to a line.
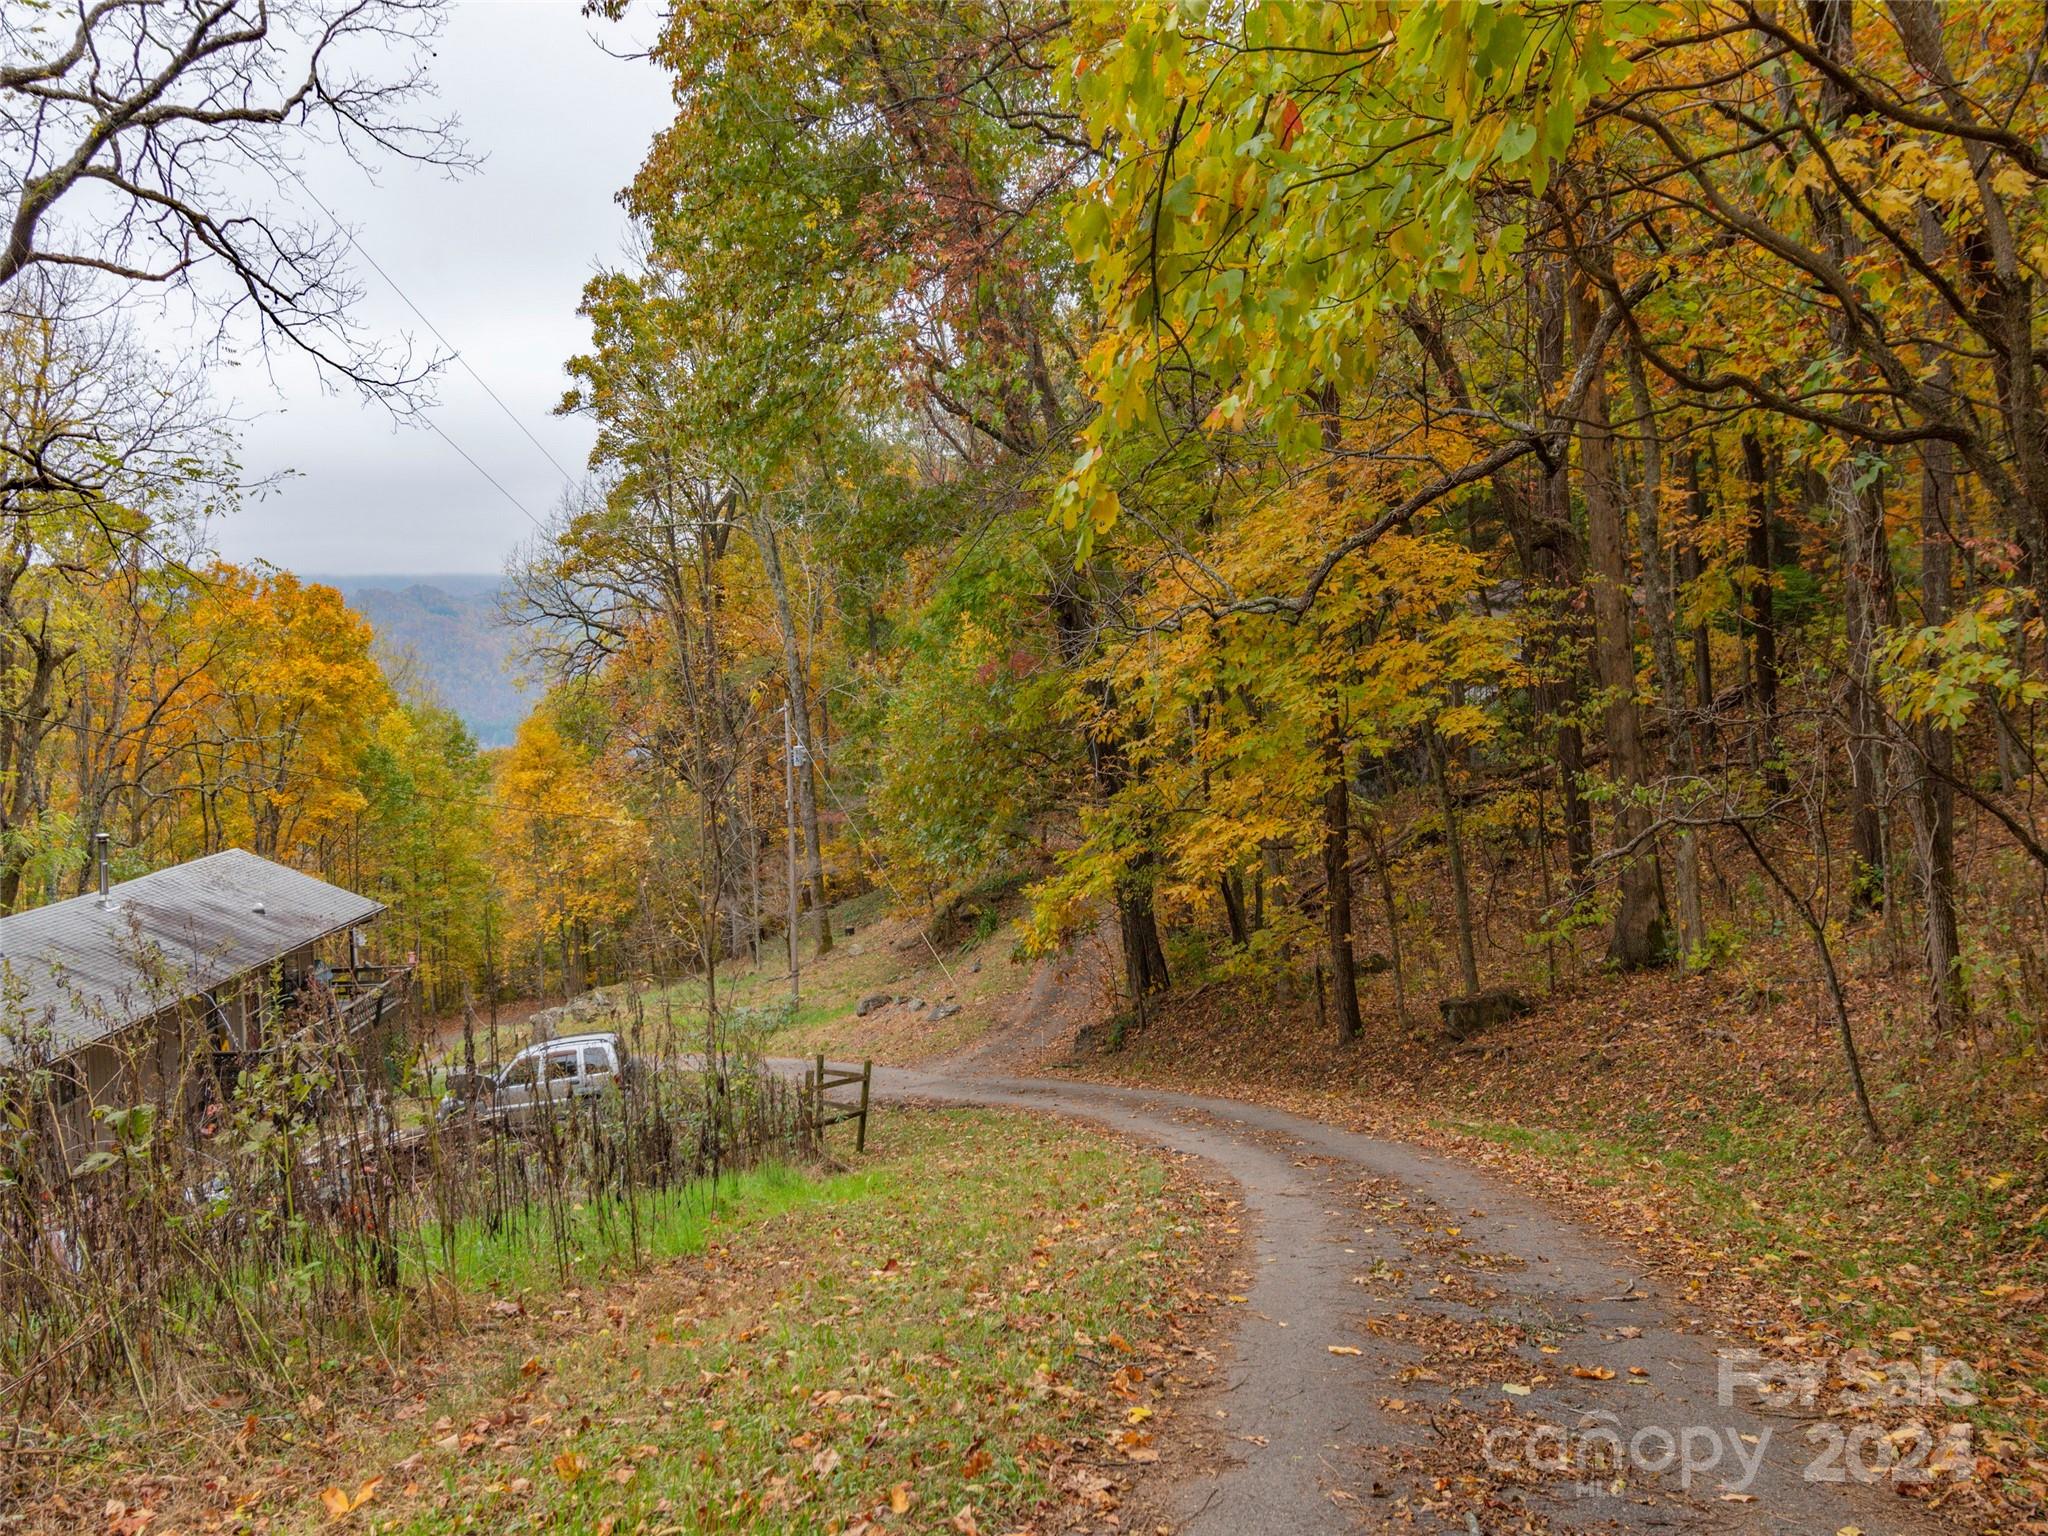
(83,970)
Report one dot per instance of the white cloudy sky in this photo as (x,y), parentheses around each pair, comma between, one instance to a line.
(496,261)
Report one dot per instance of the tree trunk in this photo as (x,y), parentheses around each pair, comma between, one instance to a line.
(1137,927)
(1702,635)
(1930,800)
(1552,561)
(1231,886)
(1659,612)
(798,685)
(1454,848)
(1763,629)
(1337,875)
(1928,761)
(1384,878)
(1638,939)
(1867,589)
(1858,509)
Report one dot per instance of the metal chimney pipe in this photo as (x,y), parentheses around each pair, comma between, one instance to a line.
(99,842)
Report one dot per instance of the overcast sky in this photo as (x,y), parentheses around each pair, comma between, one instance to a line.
(496,260)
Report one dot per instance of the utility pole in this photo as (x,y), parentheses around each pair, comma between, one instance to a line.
(789,828)
(754,868)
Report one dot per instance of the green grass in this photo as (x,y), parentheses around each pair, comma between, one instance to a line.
(935,1327)
(919,1323)
(599,1239)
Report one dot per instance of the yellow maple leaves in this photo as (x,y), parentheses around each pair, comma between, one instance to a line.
(289,697)
(340,1503)
(563,843)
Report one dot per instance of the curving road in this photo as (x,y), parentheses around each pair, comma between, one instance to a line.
(1404,1314)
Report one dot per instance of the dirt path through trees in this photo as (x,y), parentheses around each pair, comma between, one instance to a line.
(1421,1348)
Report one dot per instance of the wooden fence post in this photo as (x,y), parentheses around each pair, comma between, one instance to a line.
(860,1135)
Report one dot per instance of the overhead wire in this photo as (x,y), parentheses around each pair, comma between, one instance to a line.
(454,351)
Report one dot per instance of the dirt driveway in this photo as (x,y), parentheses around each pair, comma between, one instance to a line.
(1423,1348)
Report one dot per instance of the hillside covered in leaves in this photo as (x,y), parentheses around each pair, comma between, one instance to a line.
(1257,477)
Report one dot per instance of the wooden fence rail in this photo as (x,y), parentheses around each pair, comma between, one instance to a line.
(820,1080)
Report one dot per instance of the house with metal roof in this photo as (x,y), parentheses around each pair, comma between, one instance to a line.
(167,985)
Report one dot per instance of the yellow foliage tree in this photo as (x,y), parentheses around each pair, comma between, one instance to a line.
(563,854)
(292,696)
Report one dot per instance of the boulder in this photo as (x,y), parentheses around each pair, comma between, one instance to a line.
(1465,1017)
(915,1004)
(874,1002)
(945,1010)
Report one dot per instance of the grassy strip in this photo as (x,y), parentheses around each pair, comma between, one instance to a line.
(925,1350)
(603,1239)
(941,1331)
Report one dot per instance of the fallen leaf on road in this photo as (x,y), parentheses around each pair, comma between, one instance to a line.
(1345,1349)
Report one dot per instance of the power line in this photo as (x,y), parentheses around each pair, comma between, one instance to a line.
(454,351)
(484,472)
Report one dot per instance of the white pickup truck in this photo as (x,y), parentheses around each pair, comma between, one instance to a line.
(542,1078)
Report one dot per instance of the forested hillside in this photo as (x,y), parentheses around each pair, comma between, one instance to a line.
(450,631)
(1486,498)
(1470,574)
(1587,451)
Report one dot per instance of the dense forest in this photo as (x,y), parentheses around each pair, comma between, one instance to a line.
(1276,479)
(1486,494)
(1460,585)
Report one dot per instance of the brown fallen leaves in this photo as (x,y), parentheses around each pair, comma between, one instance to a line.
(340,1503)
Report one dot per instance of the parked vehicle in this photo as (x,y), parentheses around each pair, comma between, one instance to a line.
(541,1079)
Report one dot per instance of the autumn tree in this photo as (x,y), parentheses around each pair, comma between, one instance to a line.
(133,127)
(562,856)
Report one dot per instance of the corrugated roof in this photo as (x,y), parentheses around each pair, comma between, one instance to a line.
(85,971)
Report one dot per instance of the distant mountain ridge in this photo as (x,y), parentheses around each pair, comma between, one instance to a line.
(448,624)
